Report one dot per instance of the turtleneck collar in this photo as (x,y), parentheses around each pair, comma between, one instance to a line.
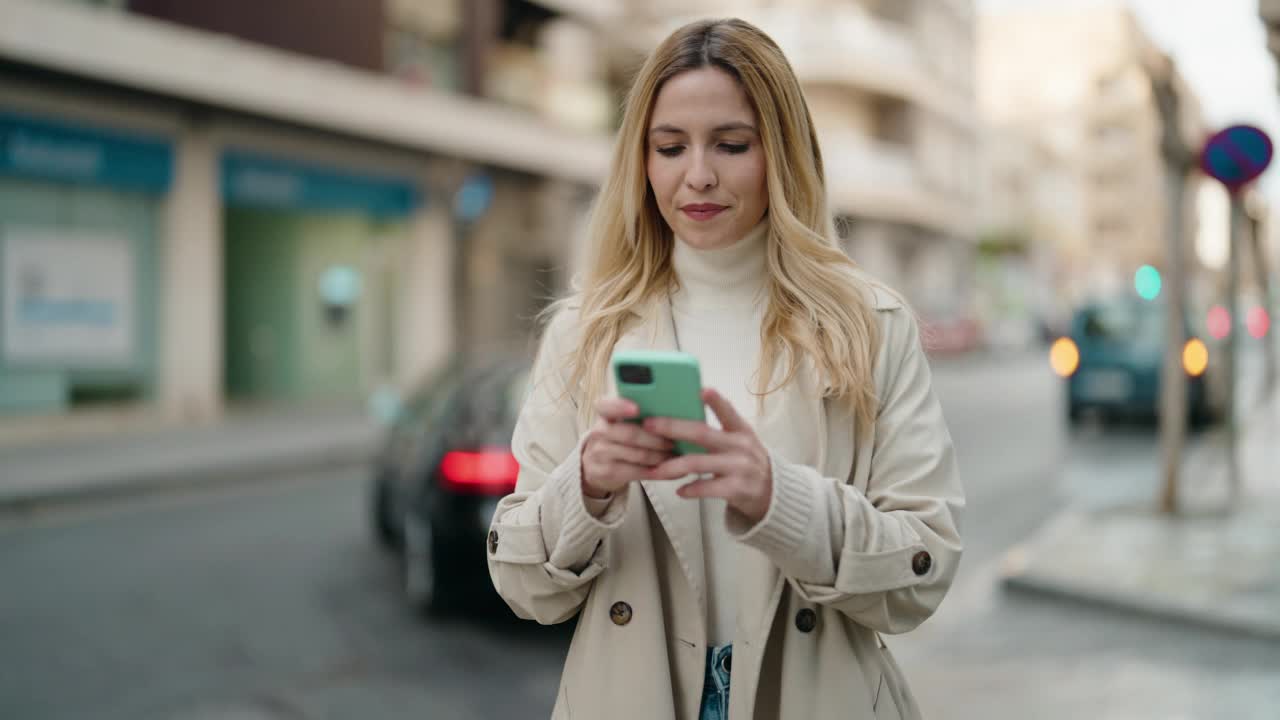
(729,276)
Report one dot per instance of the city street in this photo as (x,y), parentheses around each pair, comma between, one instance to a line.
(253,254)
(273,602)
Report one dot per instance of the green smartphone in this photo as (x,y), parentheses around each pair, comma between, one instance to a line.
(663,384)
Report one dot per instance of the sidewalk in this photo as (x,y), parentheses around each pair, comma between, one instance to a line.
(1207,565)
(243,445)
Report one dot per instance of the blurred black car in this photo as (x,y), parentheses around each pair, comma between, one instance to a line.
(444,466)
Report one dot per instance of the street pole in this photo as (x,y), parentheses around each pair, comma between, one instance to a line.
(1262,276)
(1235,156)
(1233,342)
(1173,387)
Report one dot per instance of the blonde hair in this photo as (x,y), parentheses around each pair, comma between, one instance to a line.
(816,307)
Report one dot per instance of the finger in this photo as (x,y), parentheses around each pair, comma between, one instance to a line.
(613,475)
(614,409)
(728,416)
(707,487)
(683,465)
(692,431)
(620,474)
(630,434)
(634,455)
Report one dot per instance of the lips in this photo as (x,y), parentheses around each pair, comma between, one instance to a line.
(702,211)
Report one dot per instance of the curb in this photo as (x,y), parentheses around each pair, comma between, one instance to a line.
(177,479)
(1172,612)
(1033,584)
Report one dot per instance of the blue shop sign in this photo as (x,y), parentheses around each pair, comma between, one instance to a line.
(250,179)
(70,152)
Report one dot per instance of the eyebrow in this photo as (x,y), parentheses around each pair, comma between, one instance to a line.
(725,127)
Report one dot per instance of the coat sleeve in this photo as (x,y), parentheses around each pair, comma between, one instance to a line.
(544,545)
(885,557)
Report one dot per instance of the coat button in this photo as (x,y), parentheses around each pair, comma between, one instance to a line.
(493,541)
(806,620)
(620,613)
(921,563)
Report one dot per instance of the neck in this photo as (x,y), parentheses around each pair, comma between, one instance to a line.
(733,275)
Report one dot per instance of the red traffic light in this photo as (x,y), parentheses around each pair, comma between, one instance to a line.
(1219,322)
(1258,321)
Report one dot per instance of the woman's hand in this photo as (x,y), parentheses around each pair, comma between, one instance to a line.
(616,453)
(735,458)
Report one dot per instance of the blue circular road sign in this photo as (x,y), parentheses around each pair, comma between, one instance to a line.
(1236,156)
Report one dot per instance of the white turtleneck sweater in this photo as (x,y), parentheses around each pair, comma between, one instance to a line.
(718,310)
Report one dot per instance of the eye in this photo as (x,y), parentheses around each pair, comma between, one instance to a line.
(734,149)
(671,150)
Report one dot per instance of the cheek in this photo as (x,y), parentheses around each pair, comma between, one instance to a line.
(754,182)
(665,177)
(658,180)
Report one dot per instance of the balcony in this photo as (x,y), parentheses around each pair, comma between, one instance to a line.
(855,48)
(849,46)
(869,178)
(597,11)
(218,71)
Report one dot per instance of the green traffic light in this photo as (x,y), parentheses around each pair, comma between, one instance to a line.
(1147,282)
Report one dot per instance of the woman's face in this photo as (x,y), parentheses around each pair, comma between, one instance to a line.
(705,162)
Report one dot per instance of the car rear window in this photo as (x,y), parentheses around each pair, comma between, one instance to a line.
(1124,323)
(489,403)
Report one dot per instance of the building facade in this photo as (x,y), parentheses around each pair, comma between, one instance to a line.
(1072,146)
(207,206)
(203,208)
(890,84)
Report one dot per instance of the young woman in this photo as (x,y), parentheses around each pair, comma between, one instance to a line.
(752,581)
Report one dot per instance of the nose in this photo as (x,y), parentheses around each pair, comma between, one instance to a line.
(701,176)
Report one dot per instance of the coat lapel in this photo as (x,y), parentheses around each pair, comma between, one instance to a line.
(794,424)
(681,518)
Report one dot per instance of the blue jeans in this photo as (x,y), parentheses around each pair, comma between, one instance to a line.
(715,685)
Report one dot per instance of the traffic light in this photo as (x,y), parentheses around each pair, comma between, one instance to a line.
(1219,322)
(1147,282)
(1258,322)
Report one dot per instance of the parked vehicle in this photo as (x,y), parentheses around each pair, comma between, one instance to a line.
(444,465)
(1118,349)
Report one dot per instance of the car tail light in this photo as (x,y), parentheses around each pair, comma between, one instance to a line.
(484,472)
(1195,357)
(1064,357)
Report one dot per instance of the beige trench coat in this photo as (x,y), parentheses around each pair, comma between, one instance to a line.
(885,502)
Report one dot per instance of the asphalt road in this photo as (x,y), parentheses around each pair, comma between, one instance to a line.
(272,602)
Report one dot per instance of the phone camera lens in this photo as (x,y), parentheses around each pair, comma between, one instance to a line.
(635,374)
